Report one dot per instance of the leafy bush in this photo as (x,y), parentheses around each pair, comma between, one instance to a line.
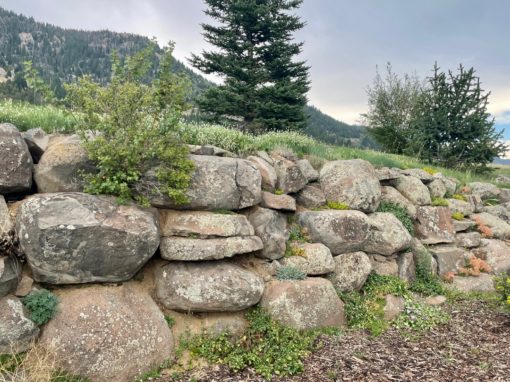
(459,197)
(439,202)
(289,272)
(426,283)
(42,305)
(292,250)
(457,216)
(336,205)
(429,170)
(170,321)
(503,288)
(400,213)
(419,316)
(128,127)
(267,346)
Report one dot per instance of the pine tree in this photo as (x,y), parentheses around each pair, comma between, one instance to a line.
(452,127)
(264,87)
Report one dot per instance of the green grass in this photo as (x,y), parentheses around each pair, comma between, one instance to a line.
(27,116)
(51,119)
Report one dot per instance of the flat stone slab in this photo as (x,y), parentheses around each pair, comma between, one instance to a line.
(188,249)
(278,202)
(304,304)
(208,286)
(315,260)
(203,224)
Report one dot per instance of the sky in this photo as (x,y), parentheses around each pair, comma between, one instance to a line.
(345,40)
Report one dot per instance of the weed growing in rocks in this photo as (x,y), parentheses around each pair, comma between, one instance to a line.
(292,250)
(267,346)
(426,283)
(459,197)
(439,202)
(400,213)
(483,228)
(42,305)
(365,310)
(289,272)
(474,266)
(337,206)
(170,321)
(297,233)
(457,216)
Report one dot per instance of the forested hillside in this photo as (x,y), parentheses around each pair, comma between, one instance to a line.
(60,55)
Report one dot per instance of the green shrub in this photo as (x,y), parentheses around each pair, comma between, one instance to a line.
(336,205)
(170,321)
(399,212)
(457,216)
(42,305)
(278,191)
(426,283)
(298,233)
(267,347)
(439,202)
(459,197)
(135,129)
(289,272)
(503,288)
(418,316)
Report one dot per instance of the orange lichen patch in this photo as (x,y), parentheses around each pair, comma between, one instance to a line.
(448,277)
(482,228)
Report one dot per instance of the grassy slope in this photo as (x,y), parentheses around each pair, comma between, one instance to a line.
(51,119)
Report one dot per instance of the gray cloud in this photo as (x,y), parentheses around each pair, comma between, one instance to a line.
(344,40)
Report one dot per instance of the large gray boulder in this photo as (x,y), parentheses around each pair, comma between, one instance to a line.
(37,141)
(351,271)
(217,183)
(498,210)
(434,225)
(384,266)
(449,182)
(481,283)
(304,304)
(17,331)
(10,274)
(290,179)
(340,231)
(391,195)
(460,206)
(271,227)
(387,235)
(266,170)
(499,229)
(71,238)
(449,258)
(189,249)
(209,286)
(311,196)
(278,202)
(437,188)
(307,170)
(203,224)
(468,239)
(15,161)
(496,253)
(107,333)
(484,190)
(419,173)
(413,189)
(316,259)
(352,182)
(61,165)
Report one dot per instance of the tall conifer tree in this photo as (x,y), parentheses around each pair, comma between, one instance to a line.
(264,86)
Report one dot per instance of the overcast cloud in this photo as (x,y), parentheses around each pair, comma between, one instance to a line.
(344,40)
